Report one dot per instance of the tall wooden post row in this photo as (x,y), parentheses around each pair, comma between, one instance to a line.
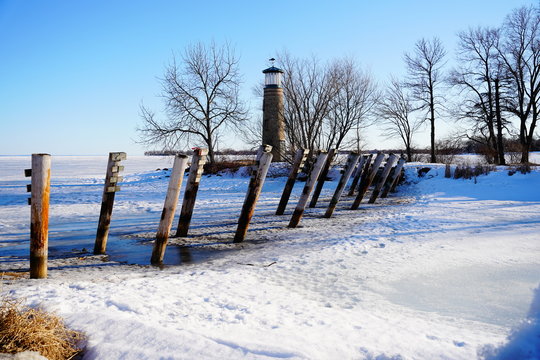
(366,180)
(382,180)
(256,182)
(169,207)
(347,172)
(192,187)
(109,190)
(39,214)
(299,160)
(322,178)
(308,187)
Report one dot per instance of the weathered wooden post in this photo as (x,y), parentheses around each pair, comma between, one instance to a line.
(310,183)
(364,172)
(258,175)
(359,172)
(167,215)
(447,171)
(396,182)
(299,160)
(39,213)
(347,172)
(322,178)
(366,181)
(107,202)
(377,189)
(192,187)
(395,175)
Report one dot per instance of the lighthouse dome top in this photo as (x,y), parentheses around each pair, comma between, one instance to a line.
(272,69)
(272,77)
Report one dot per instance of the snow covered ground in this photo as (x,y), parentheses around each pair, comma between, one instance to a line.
(443,269)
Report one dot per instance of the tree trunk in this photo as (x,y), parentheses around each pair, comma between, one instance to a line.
(432,120)
(525,153)
(500,145)
(433,157)
(408,150)
(210,145)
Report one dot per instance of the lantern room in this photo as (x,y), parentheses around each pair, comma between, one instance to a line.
(272,77)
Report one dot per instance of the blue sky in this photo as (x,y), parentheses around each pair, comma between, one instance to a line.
(73,73)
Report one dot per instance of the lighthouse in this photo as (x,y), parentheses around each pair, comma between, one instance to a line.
(273,118)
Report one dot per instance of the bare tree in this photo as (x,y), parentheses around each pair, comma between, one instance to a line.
(520,51)
(395,108)
(201,97)
(479,78)
(424,66)
(308,89)
(355,97)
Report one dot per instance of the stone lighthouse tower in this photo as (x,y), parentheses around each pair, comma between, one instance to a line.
(273,121)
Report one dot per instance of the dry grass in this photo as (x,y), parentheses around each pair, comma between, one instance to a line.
(7,275)
(468,172)
(23,328)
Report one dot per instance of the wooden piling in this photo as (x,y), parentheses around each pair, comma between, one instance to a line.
(39,214)
(364,172)
(377,189)
(299,160)
(109,190)
(347,172)
(393,178)
(258,175)
(387,183)
(322,178)
(310,183)
(190,194)
(366,180)
(447,171)
(398,179)
(169,208)
(358,174)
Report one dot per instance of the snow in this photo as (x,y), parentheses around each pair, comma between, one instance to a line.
(443,269)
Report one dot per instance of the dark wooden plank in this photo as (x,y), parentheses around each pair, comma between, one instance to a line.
(393,177)
(386,171)
(347,172)
(192,188)
(366,180)
(264,158)
(322,178)
(299,160)
(107,203)
(308,187)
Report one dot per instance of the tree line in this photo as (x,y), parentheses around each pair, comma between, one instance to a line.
(492,92)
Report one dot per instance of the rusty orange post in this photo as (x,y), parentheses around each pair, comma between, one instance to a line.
(39,218)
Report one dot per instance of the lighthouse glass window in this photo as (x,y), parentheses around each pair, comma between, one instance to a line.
(272,79)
